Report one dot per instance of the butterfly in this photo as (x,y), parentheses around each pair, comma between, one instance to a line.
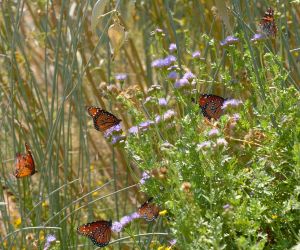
(24,163)
(103,120)
(98,231)
(211,106)
(148,210)
(267,23)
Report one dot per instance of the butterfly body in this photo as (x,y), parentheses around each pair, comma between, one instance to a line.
(148,210)
(24,164)
(211,106)
(99,232)
(267,23)
(102,119)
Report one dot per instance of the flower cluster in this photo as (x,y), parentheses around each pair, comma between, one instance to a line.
(118,226)
(231,103)
(145,177)
(121,76)
(229,40)
(163,62)
(114,134)
(49,239)
(185,81)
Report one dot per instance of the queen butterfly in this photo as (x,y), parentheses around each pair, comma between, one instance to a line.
(148,210)
(211,106)
(103,120)
(24,164)
(98,231)
(267,23)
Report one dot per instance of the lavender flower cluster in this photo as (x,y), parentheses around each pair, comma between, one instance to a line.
(114,134)
(163,62)
(118,226)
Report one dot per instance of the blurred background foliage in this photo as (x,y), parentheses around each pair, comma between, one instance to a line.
(53,65)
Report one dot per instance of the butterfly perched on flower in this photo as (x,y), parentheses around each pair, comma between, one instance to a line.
(98,231)
(267,23)
(103,120)
(24,164)
(211,106)
(148,210)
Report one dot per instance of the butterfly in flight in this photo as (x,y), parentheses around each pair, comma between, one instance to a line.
(148,210)
(103,120)
(98,231)
(211,106)
(24,164)
(267,23)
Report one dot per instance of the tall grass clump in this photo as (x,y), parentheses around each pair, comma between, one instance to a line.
(228,183)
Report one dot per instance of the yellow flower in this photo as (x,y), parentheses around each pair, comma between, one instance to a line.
(274,216)
(95,193)
(92,167)
(99,183)
(163,213)
(161,248)
(44,204)
(17,222)
(42,235)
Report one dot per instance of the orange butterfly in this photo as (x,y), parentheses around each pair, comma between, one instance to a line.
(24,163)
(99,232)
(148,210)
(211,106)
(103,120)
(267,23)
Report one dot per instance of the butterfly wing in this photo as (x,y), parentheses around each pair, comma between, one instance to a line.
(148,210)
(211,106)
(24,164)
(102,236)
(268,24)
(99,232)
(103,120)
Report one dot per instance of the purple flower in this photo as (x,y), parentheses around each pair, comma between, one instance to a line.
(145,125)
(226,206)
(229,40)
(169,114)
(133,130)
(258,37)
(236,117)
(204,145)
(135,215)
(181,83)
(172,47)
(231,103)
(157,119)
(164,62)
(158,63)
(116,227)
(196,54)
(189,75)
(173,75)
(222,142)
(117,138)
(162,102)
(213,132)
(49,239)
(115,129)
(169,60)
(125,220)
(172,242)
(121,76)
(145,176)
